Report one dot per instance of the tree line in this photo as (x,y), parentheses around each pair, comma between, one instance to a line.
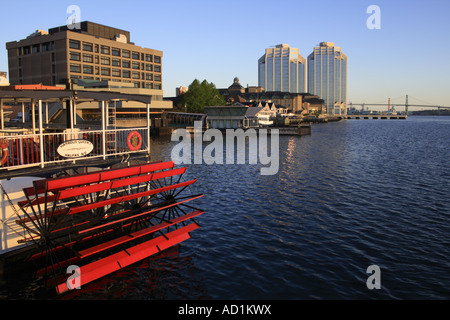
(199,96)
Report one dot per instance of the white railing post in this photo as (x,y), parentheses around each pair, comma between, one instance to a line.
(74,119)
(23,112)
(148,128)
(46,113)
(103,130)
(41,135)
(2,115)
(33,116)
(71,115)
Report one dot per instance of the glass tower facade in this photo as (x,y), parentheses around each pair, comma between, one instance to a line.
(282,69)
(327,77)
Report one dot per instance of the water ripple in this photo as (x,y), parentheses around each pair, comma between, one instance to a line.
(354,194)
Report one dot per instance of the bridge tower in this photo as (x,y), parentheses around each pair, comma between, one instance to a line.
(406,105)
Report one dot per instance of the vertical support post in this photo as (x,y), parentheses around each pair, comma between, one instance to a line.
(148,128)
(71,114)
(74,119)
(3,228)
(407,105)
(33,116)
(2,114)
(46,112)
(68,119)
(23,112)
(41,135)
(107,115)
(103,130)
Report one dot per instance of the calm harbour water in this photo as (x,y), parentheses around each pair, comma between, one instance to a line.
(353,194)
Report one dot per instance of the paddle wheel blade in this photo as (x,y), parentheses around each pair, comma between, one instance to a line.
(125,258)
(106,220)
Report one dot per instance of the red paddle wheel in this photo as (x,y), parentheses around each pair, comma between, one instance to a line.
(104,221)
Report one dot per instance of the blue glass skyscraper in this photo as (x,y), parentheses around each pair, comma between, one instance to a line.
(327,77)
(282,69)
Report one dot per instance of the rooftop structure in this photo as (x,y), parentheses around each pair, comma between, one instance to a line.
(294,102)
(92,53)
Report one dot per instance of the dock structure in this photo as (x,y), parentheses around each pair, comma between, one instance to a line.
(303,129)
(300,130)
(377,116)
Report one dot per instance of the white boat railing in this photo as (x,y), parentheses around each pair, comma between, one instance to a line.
(22,150)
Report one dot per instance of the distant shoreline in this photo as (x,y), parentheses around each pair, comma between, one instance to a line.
(430,113)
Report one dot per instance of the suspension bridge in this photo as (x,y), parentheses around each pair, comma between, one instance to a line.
(391,106)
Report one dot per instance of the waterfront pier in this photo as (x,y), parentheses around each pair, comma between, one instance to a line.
(300,130)
(377,116)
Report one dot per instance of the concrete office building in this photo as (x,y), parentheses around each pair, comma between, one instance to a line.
(327,77)
(282,69)
(92,53)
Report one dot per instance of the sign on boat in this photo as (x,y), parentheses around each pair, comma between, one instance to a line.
(75,148)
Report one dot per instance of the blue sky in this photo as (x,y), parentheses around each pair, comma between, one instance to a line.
(219,40)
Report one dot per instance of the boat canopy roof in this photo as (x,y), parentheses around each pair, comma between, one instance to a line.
(17,96)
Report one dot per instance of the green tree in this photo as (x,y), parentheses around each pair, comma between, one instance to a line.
(201,95)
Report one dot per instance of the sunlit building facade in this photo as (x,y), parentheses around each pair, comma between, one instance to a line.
(95,56)
(282,69)
(327,77)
